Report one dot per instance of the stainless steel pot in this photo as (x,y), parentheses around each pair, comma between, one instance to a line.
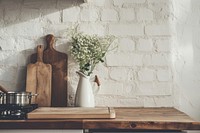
(10,97)
(23,98)
(20,98)
(2,98)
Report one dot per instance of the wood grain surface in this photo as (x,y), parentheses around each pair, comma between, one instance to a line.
(38,80)
(58,61)
(73,112)
(131,119)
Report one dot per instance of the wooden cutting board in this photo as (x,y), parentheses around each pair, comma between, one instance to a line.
(73,112)
(38,80)
(58,61)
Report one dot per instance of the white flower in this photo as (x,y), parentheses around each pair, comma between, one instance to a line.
(89,50)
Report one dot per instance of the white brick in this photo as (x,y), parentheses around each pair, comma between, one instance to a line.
(131,102)
(126,29)
(58,30)
(119,74)
(54,17)
(8,77)
(28,14)
(152,89)
(118,59)
(159,60)
(1,16)
(159,101)
(92,28)
(158,30)
(11,15)
(145,45)
(33,28)
(126,45)
(99,2)
(102,71)
(5,54)
(121,2)
(149,102)
(118,2)
(11,4)
(164,87)
(110,88)
(163,75)
(158,1)
(34,4)
(8,58)
(89,14)
(109,15)
(63,4)
(7,43)
(129,90)
(163,45)
(145,14)
(166,101)
(113,101)
(147,60)
(145,88)
(109,101)
(71,14)
(127,14)
(146,75)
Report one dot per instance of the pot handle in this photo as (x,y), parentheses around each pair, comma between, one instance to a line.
(31,95)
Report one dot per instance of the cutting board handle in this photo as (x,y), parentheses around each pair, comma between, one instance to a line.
(50,39)
(40,53)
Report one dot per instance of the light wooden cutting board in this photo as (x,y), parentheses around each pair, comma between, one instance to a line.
(73,112)
(38,80)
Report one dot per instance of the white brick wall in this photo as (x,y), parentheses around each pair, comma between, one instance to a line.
(145,14)
(163,45)
(136,73)
(122,59)
(127,14)
(109,15)
(146,75)
(126,29)
(90,14)
(145,45)
(158,30)
(126,45)
(71,14)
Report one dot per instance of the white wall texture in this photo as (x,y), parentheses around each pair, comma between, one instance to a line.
(156,62)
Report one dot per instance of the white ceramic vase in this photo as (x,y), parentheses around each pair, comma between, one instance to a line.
(84,94)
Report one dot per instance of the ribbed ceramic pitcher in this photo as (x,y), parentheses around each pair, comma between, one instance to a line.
(84,93)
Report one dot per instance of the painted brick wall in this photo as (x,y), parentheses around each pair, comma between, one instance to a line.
(137,73)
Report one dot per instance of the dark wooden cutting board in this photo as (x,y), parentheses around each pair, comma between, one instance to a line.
(58,61)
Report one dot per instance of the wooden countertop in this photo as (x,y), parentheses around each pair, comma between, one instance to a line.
(126,118)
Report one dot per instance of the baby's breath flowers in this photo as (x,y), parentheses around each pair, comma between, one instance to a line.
(88,50)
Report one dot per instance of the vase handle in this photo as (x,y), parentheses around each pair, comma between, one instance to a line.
(96,80)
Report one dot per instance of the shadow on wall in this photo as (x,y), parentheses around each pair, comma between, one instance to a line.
(22,28)
(18,11)
(187,61)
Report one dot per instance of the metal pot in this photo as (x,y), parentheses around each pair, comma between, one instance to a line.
(10,97)
(2,98)
(20,98)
